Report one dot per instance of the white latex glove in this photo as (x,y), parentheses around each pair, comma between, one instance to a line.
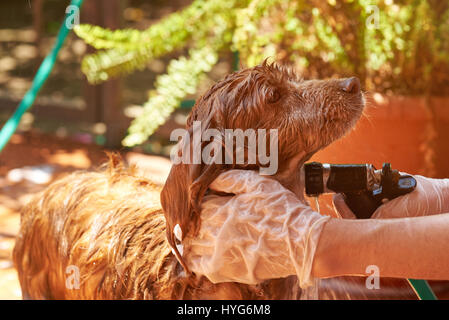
(430,197)
(262,232)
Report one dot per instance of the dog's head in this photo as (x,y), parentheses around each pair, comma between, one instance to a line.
(305,117)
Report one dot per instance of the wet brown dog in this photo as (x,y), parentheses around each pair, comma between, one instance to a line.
(109,227)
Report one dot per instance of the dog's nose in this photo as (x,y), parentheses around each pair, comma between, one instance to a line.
(351,85)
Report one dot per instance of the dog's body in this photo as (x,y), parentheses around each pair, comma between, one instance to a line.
(110,226)
(110,229)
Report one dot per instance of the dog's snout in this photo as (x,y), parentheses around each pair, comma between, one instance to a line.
(351,85)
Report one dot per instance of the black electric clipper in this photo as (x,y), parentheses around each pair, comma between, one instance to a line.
(363,187)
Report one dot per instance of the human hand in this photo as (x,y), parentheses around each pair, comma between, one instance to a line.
(430,197)
(259,231)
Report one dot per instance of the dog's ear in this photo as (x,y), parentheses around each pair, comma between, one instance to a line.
(187,182)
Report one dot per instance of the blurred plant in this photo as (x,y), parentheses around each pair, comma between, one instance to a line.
(407,52)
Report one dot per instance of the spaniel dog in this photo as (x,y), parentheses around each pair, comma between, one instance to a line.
(109,234)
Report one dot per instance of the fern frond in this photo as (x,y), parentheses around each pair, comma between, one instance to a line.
(182,78)
(114,62)
(177,26)
(103,38)
(128,50)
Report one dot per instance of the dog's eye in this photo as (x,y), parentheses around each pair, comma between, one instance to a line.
(273,96)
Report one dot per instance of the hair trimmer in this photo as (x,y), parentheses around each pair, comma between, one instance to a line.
(364,189)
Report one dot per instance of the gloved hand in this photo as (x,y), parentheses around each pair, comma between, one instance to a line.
(260,231)
(430,197)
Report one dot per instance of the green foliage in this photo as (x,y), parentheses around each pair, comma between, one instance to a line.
(407,51)
(181,79)
(128,50)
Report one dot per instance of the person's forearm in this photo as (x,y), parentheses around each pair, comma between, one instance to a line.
(402,248)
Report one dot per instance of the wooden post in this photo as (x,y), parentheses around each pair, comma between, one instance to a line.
(37,24)
(104,100)
(90,13)
(112,113)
